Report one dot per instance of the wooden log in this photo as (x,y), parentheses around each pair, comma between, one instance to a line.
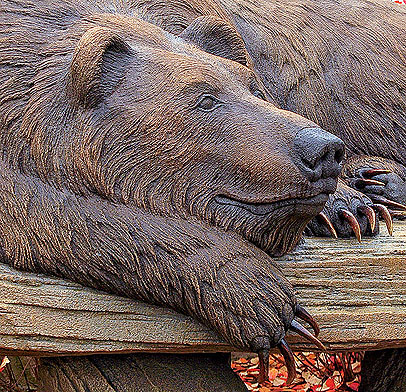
(384,370)
(140,373)
(357,292)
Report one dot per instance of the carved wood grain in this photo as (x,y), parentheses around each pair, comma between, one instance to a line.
(357,292)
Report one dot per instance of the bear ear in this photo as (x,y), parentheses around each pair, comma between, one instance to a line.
(216,36)
(98,64)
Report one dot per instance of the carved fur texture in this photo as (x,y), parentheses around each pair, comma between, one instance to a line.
(152,166)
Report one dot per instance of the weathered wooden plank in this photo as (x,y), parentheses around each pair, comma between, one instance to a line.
(356,291)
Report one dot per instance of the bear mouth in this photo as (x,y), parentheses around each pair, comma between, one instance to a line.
(275,227)
(310,205)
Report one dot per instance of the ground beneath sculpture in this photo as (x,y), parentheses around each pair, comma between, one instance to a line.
(315,373)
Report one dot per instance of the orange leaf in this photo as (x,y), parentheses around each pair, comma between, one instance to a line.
(353,385)
(3,364)
(264,389)
(330,383)
(273,374)
(255,360)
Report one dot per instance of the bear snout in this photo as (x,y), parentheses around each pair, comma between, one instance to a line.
(318,154)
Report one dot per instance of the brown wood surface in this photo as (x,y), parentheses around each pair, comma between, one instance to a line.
(140,373)
(357,292)
(384,371)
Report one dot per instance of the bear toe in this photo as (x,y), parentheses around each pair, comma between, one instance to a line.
(347,213)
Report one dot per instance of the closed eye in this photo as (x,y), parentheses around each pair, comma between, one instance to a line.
(255,88)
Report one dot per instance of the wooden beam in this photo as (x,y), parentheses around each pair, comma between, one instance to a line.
(357,292)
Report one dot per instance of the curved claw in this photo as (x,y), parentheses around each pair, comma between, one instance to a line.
(385,214)
(386,202)
(328,224)
(370,214)
(374,172)
(362,182)
(289,360)
(263,356)
(302,331)
(353,223)
(303,314)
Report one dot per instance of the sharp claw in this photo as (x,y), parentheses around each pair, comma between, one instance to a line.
(353,223)
(386,202)
(385,214)
(303,314)
(263,356)
(302,331)
(374,172)
(289,360)
(362,182)
(370,214)
(328,223)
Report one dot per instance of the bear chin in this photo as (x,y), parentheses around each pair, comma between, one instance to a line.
(275,228)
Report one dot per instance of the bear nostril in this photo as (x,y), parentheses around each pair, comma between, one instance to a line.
(319,153)
(339,155)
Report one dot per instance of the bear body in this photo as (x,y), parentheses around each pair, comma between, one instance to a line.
(152,166)
(342,65)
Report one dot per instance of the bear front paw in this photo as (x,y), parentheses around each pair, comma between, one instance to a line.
(382,180)
(382,186)
(253,307)
(259,345)
(347,213)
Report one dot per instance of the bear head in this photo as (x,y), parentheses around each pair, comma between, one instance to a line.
(180,126)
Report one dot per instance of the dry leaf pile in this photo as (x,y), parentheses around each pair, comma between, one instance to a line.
(315,373)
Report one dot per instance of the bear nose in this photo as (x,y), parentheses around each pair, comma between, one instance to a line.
(319,153)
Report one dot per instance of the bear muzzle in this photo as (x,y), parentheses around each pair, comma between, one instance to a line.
(318,155)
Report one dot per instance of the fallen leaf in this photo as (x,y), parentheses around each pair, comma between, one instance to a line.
(264,389)
(330,383)
(353,385)
(356,367)
(278,382)
(273,373)
(300,387)
(255,360)
(4,363)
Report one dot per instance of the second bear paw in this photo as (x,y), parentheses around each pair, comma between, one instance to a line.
(347,213)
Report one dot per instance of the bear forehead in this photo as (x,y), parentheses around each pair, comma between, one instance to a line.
(188,66)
